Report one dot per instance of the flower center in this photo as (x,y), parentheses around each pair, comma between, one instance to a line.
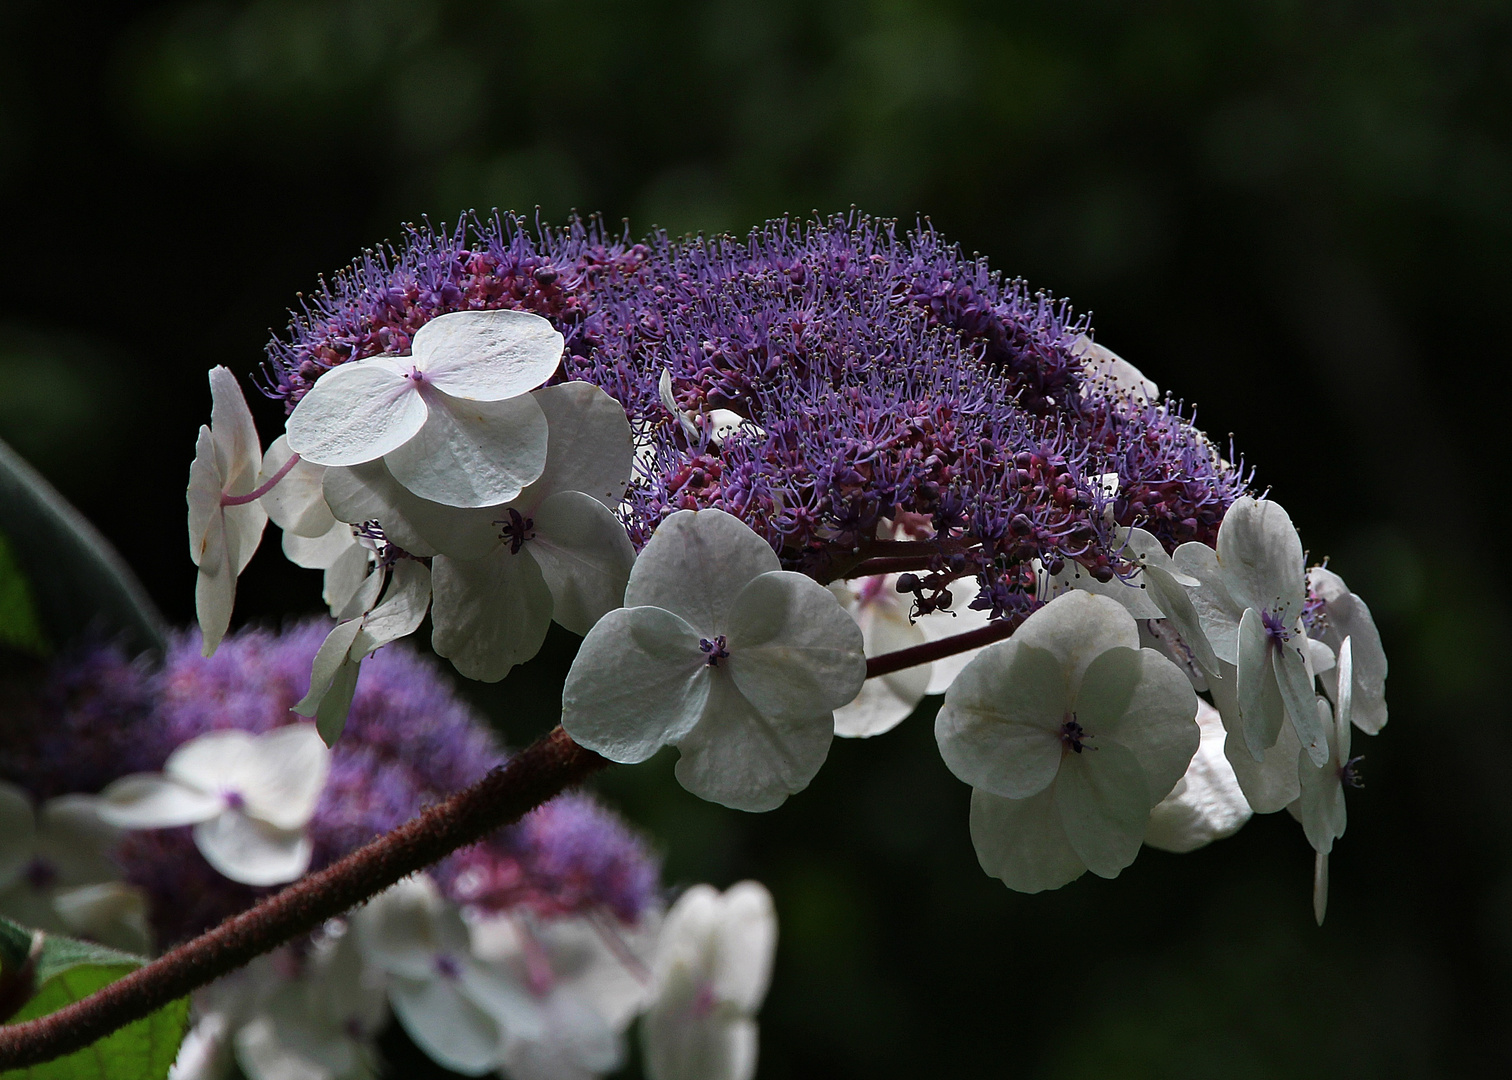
(1349,772)
(235,800)
(714,649)
(1275,629)
(1073,736)
(516,529)
(447,967)
(40,874)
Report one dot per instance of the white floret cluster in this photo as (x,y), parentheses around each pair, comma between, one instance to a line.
(1161,707)
(514,995)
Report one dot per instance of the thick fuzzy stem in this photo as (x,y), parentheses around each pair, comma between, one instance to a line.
(527,780)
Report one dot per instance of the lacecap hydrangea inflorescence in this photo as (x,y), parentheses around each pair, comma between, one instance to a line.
(755,473)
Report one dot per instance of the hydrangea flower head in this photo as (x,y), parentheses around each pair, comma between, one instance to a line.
(880,375)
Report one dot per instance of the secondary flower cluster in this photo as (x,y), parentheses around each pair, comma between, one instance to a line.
(528,953)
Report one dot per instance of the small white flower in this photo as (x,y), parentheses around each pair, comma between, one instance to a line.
(219,1011)
(1103,369)
(56,873)
(249,798)
(1207,803)
(452,421)
(319,1025)
(1250,601)
(583,992)
(882,613)
(458,1009)
(713,963)
(1069,734)
(366,626)
(222,539)
(1345,615)
(959,618)
(723,654)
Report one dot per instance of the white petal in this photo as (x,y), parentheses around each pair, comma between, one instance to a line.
(999,727)
(453,1032)
(1320,806)
(1320,658)
(589,445)
(322,552)
(404,928)
(251,851)
(794,652)
(584,555)
(72,837)
(639,682)
(1261,706)
(203,496)
(1176,605)
(1130,594)
(737,757)
(401,612)
(1296,686)
(214,588)
(1104,802)
(881,705)
(695,563)
(1262,558)
(110,912)
(745,938)
(883,702)
(1320,886)
(238,453)
(344,577)
(356,412)
(1142,701)
(244,531)
(487,355)
(1269,785)
(368,492)
(1348,616)
(285,772)
(1076,628)
(1217,611)
(331,655)
(489,614)
(18,832)
(1103,370)
(1207,804)
(472,453)
(151,801)
(296,503)
(1021,842)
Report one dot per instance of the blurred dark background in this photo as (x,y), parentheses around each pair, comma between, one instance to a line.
(1297,215)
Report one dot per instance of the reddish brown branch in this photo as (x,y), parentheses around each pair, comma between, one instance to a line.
(526,781)
(931,651)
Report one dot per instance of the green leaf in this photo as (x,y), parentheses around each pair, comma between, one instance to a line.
(71,576)
(19,627)
(68,971)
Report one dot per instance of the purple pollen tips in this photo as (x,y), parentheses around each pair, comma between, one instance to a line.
(1073,737)
(235,800)
(1349,772)
(1275,629)
(516,529)
(715,649)
(447,967)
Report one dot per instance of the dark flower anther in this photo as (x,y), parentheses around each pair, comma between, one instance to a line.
(715,650)
(516,529)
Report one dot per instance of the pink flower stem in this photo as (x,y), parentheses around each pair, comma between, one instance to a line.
(257,493)
(536,774)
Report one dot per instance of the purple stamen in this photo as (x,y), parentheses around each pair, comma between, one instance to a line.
(715,649)
(1349,772)
(447,967)
(516,529)
(1073,736)
(1275,629)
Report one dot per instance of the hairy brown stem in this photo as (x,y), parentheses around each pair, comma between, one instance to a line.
(931,651)
(527,780)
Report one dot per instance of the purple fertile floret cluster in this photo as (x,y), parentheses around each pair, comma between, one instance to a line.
(887,378)
(409,742)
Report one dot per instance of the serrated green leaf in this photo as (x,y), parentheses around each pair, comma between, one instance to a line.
(19,626)
(75,579)
(67,971)
(15,945)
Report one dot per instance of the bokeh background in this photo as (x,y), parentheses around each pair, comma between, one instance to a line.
(1295,214)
